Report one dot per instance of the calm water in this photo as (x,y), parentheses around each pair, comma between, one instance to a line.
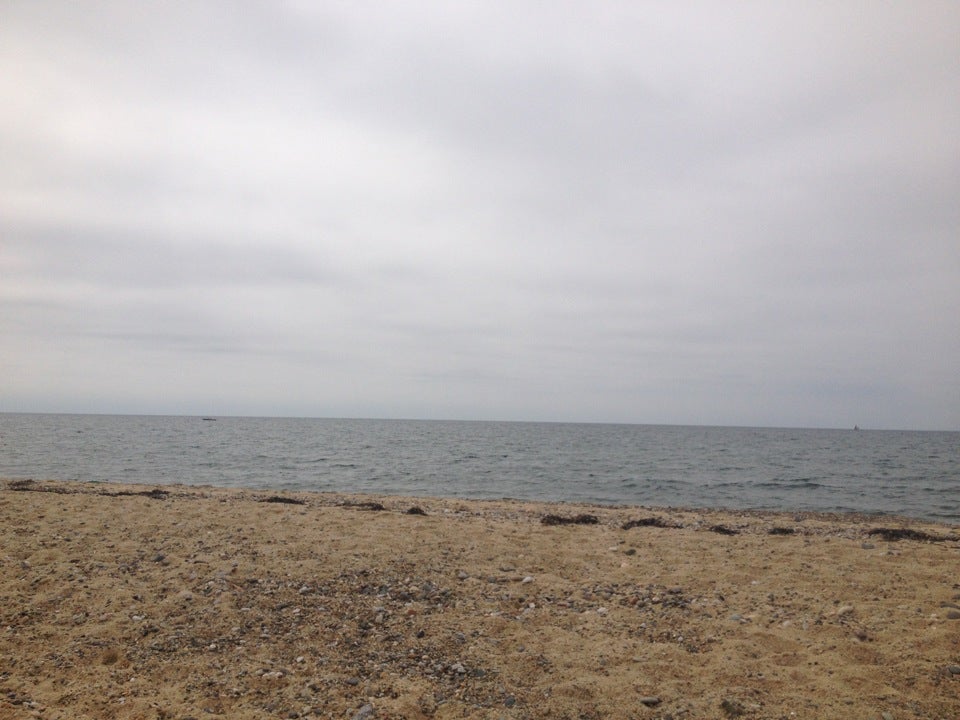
(909,473)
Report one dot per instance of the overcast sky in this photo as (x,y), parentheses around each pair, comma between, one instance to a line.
(679,212)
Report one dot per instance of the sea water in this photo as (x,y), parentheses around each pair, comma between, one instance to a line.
(916,474)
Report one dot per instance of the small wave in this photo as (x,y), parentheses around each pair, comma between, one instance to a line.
(791,484)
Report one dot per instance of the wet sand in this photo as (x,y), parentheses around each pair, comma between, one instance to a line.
(180,602)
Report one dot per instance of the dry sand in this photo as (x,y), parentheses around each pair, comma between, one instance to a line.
(185,602)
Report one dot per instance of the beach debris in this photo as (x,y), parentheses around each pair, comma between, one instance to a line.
(282,499)
(155,494)
(416,510)
(649,522)
(372,506)
(895,534)
(583,519)
(732,708)
(723,530)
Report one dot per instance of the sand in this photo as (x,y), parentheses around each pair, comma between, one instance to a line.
(183,602)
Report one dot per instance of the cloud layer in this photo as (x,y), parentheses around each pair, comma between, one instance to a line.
(677,212)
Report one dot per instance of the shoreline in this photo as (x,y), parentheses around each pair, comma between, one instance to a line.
(339,497)
(146,601)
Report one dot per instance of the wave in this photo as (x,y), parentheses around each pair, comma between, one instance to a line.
(791,483)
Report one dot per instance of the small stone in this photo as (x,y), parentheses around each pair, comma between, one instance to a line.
(886,715)
(649,700)
(868,546)
(953,614)
(527,579)
(364,713)
(845,610)
(353,681)
(462,575)
(953,669)
(510,701)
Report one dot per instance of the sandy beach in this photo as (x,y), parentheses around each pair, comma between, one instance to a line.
(122,601)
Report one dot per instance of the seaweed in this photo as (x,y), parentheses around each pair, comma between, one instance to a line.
(281,499)
(780,531)
(373,506)
(723,530)
(577,520)
(895,534)
(155,494)
(649,522)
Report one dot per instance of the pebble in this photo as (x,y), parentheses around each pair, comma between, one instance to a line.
(868,546)
(886,715)
(364,713)
(953,669)
(527,579)
(953,614)
(649,700)
(845,610)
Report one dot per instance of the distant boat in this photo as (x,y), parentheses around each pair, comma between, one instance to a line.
(856,427)
(214,420)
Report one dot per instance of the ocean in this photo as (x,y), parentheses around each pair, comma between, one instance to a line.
(915,474)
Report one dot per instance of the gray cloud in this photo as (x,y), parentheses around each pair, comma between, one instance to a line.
(676,213)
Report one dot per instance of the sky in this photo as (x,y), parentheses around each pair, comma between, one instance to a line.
(648,212)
